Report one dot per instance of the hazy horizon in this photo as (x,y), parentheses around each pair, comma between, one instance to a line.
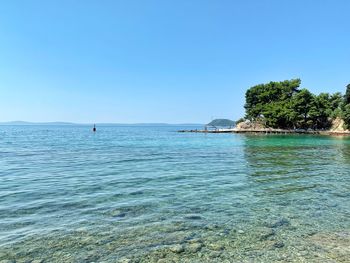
(97,123)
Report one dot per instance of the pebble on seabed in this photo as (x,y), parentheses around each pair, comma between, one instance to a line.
(278,244)
(278,223)
(216,247)
(177,248)
(194,247)
(124,260)
(193,217)
(265,233)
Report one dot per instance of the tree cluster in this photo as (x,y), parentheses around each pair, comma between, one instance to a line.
(284,105)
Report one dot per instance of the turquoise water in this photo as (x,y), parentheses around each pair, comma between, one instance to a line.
(150,194)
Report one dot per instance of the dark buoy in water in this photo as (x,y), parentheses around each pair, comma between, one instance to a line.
(94,128)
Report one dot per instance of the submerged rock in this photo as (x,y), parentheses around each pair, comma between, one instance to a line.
(137,193)
(195,240)
(193,217)
(215,255)
(194,247)
(177,248)
(118,214)
(265,233)
(211,227)
(278,223)
(216,247)
(124,260)
(278,244)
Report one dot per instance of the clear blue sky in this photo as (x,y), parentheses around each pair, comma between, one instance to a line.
(172,61)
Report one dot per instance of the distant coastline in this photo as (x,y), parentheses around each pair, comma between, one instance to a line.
(270,131)
(26,123)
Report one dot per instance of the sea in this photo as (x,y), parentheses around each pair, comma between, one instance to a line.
(152,194)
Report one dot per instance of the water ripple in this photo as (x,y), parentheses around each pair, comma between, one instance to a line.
(143,194)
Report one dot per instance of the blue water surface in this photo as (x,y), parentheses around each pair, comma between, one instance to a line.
(151,194)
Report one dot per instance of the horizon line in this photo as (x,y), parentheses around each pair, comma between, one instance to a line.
(92,123)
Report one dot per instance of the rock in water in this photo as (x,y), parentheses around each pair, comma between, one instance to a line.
(278,223)
(124,260)
(278,244)
(193,217)
(194,247)
(216,247)
(266,233)
(177,248)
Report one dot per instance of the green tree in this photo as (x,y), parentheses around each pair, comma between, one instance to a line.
(284,105)
(346,108)
(269,101)
(301,104)
(336,102)
(320,111)
(347,95)
(346,116)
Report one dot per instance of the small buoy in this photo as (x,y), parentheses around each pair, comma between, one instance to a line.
(94,128)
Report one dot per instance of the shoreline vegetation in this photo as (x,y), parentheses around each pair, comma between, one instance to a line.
(270,131)
(284,108)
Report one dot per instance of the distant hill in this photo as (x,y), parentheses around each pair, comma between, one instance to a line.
(221,123)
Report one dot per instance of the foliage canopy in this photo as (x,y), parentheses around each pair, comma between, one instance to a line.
(284,105)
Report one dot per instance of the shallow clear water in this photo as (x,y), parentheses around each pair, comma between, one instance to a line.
(150,194)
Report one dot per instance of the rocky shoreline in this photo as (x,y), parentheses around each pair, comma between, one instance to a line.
(258,128)
(271,131)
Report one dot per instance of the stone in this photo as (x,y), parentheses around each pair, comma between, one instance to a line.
(278,244)
(177,248)
(189,237)
(278,223)
(226,232)
(303,253)
(118,214)
(21,260)
(193,217)
(266,233)
(212,227)
(216,247)
(194,247)
(137,193)
(214,254)
(194,240)
(124,260)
